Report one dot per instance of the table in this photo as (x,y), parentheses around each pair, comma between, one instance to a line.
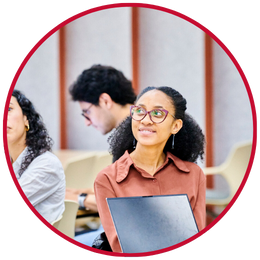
(86,213)
(66,154)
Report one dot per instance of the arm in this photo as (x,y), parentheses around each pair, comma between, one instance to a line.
(42,178)
(79,191)
(103,190)
(199,210)
(90,201)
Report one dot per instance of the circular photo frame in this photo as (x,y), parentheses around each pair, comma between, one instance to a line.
(212,40)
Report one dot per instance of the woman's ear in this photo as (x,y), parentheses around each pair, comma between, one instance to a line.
(26,121)
(177,125)
(105,101)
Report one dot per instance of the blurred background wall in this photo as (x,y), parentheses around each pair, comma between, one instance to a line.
(150,47)
(39,81)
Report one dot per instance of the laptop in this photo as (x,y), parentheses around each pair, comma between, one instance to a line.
(150,223)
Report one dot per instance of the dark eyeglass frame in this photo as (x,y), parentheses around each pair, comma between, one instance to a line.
(149,113)
(86,111)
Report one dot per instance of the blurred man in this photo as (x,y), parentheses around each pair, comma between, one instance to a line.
(104,95)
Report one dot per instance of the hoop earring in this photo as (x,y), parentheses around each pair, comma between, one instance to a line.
(173,136)
(27,128)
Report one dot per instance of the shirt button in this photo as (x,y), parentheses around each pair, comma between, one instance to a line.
(154,180)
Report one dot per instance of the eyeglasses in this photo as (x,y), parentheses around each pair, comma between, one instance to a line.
(156,115)
(86,112)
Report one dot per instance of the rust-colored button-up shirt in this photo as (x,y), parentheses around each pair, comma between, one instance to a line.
(124,179)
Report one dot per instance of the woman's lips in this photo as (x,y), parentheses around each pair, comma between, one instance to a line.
(146,131)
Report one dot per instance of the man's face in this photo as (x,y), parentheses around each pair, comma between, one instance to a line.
(97,116)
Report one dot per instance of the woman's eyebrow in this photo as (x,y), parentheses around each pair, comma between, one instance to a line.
(142,105)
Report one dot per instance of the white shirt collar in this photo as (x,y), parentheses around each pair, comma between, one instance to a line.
(17,164)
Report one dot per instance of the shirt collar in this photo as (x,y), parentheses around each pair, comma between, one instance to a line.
(124,163)
(17,164)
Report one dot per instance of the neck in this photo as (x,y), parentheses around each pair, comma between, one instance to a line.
(15,151)
(121,112)
(148,158)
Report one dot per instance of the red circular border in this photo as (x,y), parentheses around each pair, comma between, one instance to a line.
(159,9)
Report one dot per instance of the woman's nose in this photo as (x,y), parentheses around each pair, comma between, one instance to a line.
(147,120)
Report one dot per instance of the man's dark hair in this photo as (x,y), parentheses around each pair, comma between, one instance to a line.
(98,79)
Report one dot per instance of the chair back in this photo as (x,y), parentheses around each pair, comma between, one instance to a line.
(102,160)
(56,223)
(67,222)
(79,171)
(236,165)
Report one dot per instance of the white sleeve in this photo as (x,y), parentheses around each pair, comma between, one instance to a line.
(41,178)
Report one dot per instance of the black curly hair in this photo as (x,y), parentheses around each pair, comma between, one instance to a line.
(98,79)
(189,142)
(37,138)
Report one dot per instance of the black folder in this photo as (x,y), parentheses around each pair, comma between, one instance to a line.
(150,223)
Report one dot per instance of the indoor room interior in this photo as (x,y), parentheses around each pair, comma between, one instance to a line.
(151,48)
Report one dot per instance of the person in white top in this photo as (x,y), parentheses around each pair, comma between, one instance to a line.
(38,171)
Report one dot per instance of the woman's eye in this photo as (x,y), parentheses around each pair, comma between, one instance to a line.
(139,111)
(9,109)
(157,113)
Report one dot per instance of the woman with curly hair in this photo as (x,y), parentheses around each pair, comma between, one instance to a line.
(39,172)
(155,151)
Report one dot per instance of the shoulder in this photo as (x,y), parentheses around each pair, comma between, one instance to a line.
(192,166)
(108,172)
(47,161)
(196,171)
(114,171)
(47,157)
(187,167)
